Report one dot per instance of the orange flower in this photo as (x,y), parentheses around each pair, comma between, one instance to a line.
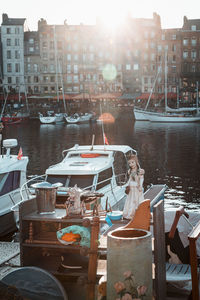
(70,237)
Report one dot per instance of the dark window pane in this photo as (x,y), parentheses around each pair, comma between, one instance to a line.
(104,178)
(83,181)
(11,183)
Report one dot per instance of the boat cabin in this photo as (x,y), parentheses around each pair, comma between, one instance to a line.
(103,169)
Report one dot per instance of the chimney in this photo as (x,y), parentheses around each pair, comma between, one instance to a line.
(4,17)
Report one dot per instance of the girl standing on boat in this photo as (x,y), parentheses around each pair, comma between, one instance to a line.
(134,190)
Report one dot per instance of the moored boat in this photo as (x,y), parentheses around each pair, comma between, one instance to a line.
(96,168)
(79,118)
(47,119)
(12,177)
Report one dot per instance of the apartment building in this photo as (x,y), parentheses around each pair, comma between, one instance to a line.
(190,64)
(169,45)
(12,39)
(32,62)
(60,59)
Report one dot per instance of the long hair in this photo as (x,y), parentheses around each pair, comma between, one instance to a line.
(135,158)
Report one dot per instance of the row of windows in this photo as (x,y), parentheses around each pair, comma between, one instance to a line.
(69,47)
(16,54)
(70,78)
(192,41)
(15,69)
(69,89)
(13,42)
(14,80)
(192,54)
(191,68)
(92,56)
(10,30)
(52,68)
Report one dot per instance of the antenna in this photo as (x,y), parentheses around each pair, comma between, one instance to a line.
(93,137)
(102,126)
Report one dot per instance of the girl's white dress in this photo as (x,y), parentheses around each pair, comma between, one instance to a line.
(135,196)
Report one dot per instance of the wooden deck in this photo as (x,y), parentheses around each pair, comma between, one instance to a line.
(12,262)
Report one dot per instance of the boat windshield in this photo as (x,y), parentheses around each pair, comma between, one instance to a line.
(82,181)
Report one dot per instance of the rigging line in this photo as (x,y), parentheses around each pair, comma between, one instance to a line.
(4,105)
(159,69)
(166,71)
(61,79)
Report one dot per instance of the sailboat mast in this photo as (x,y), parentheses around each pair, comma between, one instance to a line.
(177,96)
(165,79)
(58,69)
(159,68)
(56,62)
(102,126)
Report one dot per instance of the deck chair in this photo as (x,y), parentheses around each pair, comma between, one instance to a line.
(142,217)
(185,272)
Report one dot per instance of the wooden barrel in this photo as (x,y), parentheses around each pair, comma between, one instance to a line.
(129,264)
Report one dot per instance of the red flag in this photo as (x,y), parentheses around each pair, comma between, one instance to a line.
(20,154)
(106,140)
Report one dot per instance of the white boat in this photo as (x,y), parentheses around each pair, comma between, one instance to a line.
(169,115)
(79,118)
(179,116)
(96,168)
(174,117)
(73,119)
(12,177)
(47,119)
(59,117)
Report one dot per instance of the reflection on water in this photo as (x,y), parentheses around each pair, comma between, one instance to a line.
(169,153)
(175,150)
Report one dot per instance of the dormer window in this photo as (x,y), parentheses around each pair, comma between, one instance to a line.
(193,27)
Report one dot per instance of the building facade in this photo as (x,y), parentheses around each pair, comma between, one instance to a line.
(12,39)
(73,59)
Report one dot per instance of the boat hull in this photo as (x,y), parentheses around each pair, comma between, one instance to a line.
(79,119)
(142,115)
(7,224)
(173,118)
(47,120)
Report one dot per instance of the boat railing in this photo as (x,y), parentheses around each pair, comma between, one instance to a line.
(25,189)
(118,178)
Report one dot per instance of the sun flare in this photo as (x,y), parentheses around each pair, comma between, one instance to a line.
(112,14)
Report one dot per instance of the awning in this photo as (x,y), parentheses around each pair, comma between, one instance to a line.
(111,96)
(145,96)
(156,96)
(13,97)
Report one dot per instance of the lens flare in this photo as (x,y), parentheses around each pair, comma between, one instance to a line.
(106,118)
(109,72)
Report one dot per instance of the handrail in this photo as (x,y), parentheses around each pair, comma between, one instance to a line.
(24,187)
(25,184)
(103,181)
(180,211)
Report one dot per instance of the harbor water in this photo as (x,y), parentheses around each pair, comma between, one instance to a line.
(169,153)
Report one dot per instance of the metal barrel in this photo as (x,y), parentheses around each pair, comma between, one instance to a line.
(46,200)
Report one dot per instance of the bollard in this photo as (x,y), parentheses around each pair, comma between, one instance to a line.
(129,264)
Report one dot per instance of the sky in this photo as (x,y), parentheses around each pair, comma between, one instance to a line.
(112,11)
